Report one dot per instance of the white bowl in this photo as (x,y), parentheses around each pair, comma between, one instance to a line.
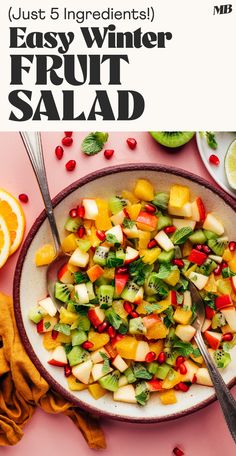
(30,285)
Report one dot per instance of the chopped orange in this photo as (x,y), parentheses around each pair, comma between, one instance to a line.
(126,194)
(45,255)
(102,221)
(134,210)
(156,347)
(168,397)
(5,242)
(48,342)
(96,390)
(95,272)
(144,238)
(69,244)
(98,340)
(127,347)
(11,211)
(75,385)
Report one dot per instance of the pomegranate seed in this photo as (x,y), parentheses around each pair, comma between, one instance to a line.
(206,249)
(178,262)
(227,337)
(194,379)
(54,334)
(73,213)
(128,307)
(199,247)
(214,160)
(183,387)
(132,143)
(151,356)
(224,265)
(182,369)
(23,198)
(232,246)
(152,244)
(102,327)
(67,371)
(122,270)
(134,314)
(178,452)
(80,211)
(108,153)
(87,345)
(101,235)
(81,231)
(179,360)
(150,208)
(59,152)
(209,312)
(218,269)
(111,332)
(70,165)
(170,229)
(68,133)
(161,358)
(67,141)
(176,387)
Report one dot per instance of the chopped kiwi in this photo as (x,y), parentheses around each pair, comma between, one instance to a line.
(105,295)
(110,381)
(136,326)
(62,291)
(198,237)
(166,257)
(129,373)
(163,222)
(162,371)
(120,254)
(90,291)
(116,204)
(140,371)
(78,337)
(218,320)
(36,314)
(77,355)
(152,368)
(82,323)
(161,200)
(142,393)
(154,285)
(217,245)
(222,358)
(72,224)
(171,357)
(130,291)
(209,234)
(207,267)
(100,256)
(84,245)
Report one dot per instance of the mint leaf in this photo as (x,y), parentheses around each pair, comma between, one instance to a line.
(106,364)
(94,142)
(127,223)
(181,235)
(111,238)
(62,328)
(47,325)
(185,348)
(165,270)
(150,308)
(161,200)
(138,271)
(169,320)
(211,140)
(81,277)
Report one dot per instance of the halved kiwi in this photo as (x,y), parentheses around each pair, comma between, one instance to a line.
(172,139)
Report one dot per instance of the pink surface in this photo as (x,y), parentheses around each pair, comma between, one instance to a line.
(204,432)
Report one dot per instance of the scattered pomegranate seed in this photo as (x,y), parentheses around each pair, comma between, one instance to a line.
(87,345)
(81,231)
(67,370)
(199,247)
(194,379)
(68,133)
(232,246)
(206,249)
(183,387)
(132,143)
(178,452)
(108,153)
(122,270)
(70,165)
(179,360)
(218,269)
(214,160)
(152,244)
(67,141)
(23,198)
(178,262)
(150,357)
(227,337)
(134,314)
(182,369)
(161,358)
(209,312)
(59,151)
(80,211)
(101,235)
(102,327)
(128,307)
(170,229)
(111,332)
(224,265)
(150,208)
(73,213)
(54,334)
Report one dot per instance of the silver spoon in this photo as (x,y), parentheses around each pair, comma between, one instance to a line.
(33,145)
(225,398)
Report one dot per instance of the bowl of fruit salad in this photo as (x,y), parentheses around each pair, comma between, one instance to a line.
(121,342)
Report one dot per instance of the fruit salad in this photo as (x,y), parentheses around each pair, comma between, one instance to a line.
(125,324)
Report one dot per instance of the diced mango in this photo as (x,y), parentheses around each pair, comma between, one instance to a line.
(93,239)
(149,256)
(63,339)
(144,190)
(119,309)
(127,347)
(144,238)
(67,317)
(182,316)
(134,210)
(187,248)
(69,243)
(211,285)
(232,264)
(102,221)
(96,390)
(45,255)
(157,331)
(98,340)
(173,377)
(140,309)
(168,397)
(163,305)
(173,277)
(179,196)
(228,255)
(74,384)
(156,347)
(126,194)
(48,342)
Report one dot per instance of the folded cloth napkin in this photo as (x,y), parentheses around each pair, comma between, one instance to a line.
(22,389)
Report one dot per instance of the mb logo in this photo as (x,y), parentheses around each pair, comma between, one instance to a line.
(223,9)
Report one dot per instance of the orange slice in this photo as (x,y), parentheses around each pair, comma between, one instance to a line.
(5,242)
(11,211)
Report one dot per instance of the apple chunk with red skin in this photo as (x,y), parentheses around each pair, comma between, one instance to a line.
(213,339)
(117,232)
(58,357)
(230,316)
(65,275)
(131,255)
(96,316)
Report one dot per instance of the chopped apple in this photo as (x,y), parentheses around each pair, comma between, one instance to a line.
(48,305)
(46,324)
(146,221)
(65,275)
(164,241)
(181,223)
(98,371)
(141,351)
(230,316)
(185,332)
(213,224)
(131,233)
(96,316)
(206,325)
(192,369)
(187,302)
(131,255)
(213,339)
(117,232)
(185,211)
(199,280)
(218,259)
(91,208)
(58,357)
(120,282)
(96,356)
(198,210)
(125,394)
(118,218)
(233,283)
(79,258)
(82,371)
(139,296)
(119,363)
(203,377)
(81,293)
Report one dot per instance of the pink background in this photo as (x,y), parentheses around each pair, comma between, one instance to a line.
(202,433)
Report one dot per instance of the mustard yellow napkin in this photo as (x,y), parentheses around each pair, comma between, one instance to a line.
(22,388)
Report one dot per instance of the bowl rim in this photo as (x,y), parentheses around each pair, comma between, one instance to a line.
(19,266)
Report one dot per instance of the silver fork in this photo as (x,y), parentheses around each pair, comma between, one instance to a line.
(33,145)
(225,398)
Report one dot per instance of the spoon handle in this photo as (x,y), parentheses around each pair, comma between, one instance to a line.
(33,145)
(225,398)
